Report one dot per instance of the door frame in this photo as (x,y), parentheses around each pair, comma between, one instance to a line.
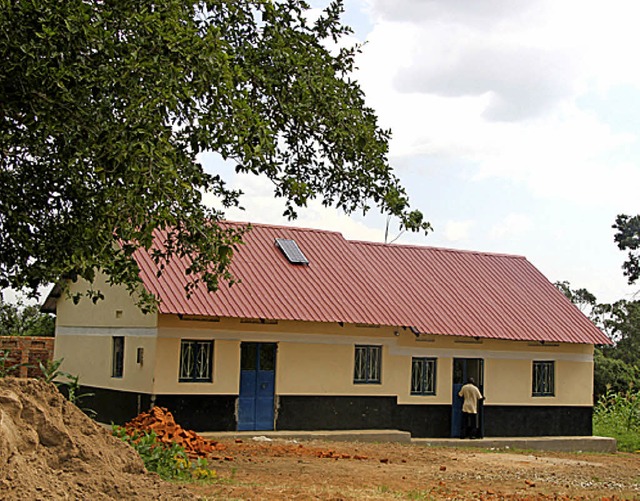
(468,367)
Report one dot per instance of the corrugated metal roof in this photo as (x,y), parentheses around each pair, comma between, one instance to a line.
(433,290)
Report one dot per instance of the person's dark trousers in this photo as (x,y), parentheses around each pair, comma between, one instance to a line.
(470,428)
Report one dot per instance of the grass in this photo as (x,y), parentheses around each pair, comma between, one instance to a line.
(617,415)
(627,441)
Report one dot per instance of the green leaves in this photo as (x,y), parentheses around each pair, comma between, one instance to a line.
(627,237)
(20,319)
(106,106)
(170,461)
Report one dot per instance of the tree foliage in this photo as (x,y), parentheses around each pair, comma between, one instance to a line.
(621,322)
(20,319)
(107,105)
(613,374)
(616,367)
(627,238)
(582,298)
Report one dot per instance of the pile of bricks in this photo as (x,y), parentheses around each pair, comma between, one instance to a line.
(160,421)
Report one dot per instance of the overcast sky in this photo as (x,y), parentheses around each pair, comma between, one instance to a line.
(515,128)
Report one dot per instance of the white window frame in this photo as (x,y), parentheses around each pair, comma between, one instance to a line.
(423,375)
(196,361)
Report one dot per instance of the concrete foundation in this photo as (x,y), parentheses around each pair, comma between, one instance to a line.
(566,444)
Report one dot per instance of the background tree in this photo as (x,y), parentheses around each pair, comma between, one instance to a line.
(582,298)
(616,366)
(20,319)
(627,237)
(106,106)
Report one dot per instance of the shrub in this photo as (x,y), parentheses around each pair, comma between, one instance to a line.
(617,415)
(170,461)
(7,365)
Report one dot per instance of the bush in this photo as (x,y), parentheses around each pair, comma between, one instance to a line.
(617,415)
(613,374)
(170,461)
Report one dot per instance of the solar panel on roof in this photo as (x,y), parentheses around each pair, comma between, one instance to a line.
(291,250)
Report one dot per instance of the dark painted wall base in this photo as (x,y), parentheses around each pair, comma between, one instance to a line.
(201,412)
(113,406)
(295,413)
(362,413)
(193,412)
(512,421)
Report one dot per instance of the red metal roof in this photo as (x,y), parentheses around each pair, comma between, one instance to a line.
(432,290)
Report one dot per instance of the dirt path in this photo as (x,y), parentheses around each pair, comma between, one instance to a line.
(278,470)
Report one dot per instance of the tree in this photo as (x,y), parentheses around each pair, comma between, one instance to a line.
(615,367)
(628,238)
(613,374)
(582,298)
(106,106)
(20,319)
(621,322)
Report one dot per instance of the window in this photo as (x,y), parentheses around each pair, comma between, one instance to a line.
(368,360)
(423,376)
(543,379)
(196,359)
(117,356)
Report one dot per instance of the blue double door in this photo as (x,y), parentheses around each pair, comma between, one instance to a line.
(257,386)
(463,369)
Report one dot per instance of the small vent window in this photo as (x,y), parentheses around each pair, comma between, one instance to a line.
(291,250)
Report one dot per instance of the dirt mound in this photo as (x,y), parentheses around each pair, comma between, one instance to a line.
(49,449)
(161,422)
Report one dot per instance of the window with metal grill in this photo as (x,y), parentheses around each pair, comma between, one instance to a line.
(196,361)
(117,356)
(367,364)
(543,379)
(423,376)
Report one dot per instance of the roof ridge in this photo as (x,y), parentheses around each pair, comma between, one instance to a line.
(368,242)
(283,227)
(439,249)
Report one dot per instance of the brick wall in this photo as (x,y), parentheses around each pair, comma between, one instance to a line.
(27,350)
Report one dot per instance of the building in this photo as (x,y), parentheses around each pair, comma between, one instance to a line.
(325,333)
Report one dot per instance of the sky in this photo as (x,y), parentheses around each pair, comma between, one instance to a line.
(515,129)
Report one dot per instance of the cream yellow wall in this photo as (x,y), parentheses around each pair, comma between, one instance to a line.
(90,357)
(317,359)
(117,309)
(226,366)
(85,331)
(509,382)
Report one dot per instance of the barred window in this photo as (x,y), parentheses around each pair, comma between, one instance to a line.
(196,360)
(367,364)
(423,376)
(117,356)
(543,379)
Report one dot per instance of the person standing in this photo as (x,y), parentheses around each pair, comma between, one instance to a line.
(471,396)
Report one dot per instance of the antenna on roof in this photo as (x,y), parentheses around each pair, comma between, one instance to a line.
(386,232)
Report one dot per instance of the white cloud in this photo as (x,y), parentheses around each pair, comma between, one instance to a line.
(486,11)
(260,206)
(513,225)
(455,231)
(504,96)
